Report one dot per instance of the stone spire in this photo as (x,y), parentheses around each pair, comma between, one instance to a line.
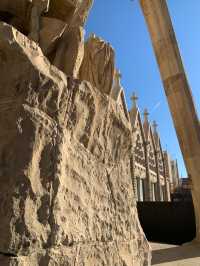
(92,35)
(146,115)
(155,126)
(134,99)
(116,87)
(118,77)
(155,132)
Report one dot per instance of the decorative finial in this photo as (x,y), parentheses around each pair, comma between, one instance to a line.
(134,99)
(155,125)
(146,114)
(92,36)
(118,76)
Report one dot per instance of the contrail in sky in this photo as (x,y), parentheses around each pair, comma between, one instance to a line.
(156,106)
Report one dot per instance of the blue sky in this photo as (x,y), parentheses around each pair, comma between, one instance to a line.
(121,23)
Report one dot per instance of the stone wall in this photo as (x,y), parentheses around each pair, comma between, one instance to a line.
(66,196)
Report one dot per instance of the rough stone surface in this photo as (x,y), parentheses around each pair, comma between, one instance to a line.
(65,10)
(56,25)
(62,42)
(73,12)
(66,196)
(98,65)
(70,51)
(19,12)
(50,34)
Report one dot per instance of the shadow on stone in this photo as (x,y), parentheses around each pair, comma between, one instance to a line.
(176,253)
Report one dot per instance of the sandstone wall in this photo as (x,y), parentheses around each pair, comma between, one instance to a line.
(66,196)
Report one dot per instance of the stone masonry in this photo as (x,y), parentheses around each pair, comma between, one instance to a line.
(66,195)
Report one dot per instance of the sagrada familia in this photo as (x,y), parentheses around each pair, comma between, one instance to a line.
(73,159)
(155,175)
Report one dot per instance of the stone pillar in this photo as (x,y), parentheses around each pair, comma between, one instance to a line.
(134,98)
(167,196)
(133,177)
(167,188)
(148,187)
(133,111)
(177,91)
(158,187)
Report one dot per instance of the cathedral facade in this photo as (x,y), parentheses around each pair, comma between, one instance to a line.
(153,176)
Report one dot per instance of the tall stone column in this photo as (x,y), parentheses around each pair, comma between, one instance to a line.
(148,186)
(158,185)
(167,189)
(167,196)
(158,190)
(133,177)
(177,91)
(133,111)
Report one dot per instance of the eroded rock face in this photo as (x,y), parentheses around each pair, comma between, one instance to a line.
(66,196)
(98,65)
(64,10)
(56,25)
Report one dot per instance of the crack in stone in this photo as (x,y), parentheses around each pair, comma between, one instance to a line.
(8,254)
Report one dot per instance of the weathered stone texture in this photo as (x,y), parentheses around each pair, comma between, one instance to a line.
(98,65)
(65,185)
(56,25)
